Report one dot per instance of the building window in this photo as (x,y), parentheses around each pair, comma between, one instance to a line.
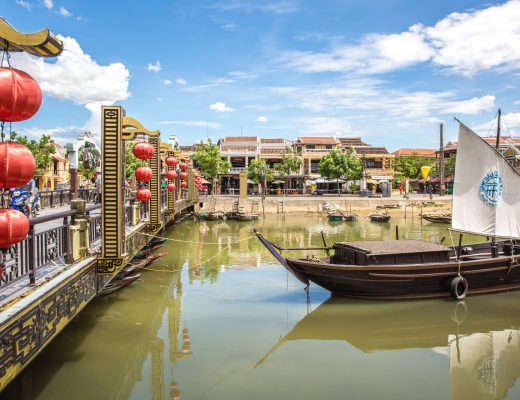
(314,166)
(55,167)
(328,147)
(299,149)
(311,147)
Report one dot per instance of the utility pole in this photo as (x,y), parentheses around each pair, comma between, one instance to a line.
(441,161)
(498,128)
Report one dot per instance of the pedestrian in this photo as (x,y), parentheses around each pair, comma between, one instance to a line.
(400,187)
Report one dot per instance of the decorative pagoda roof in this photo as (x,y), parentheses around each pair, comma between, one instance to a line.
(40,44)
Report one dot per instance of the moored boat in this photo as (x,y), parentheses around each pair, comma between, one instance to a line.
(379,217)
(439,217)
(486,202)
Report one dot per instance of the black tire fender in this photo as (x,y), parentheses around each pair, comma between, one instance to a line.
(458,288)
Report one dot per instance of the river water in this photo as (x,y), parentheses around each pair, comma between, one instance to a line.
(218,318)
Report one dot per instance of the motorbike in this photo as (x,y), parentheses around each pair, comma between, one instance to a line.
(18,202)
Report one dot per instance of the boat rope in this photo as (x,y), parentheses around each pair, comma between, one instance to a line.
(192,241)
(179,269)
(458,258)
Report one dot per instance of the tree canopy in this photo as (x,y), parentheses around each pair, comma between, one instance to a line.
(337,164)
(259,170)
(208,159)
(42,149)
(289,162)
(131,161)
(410,166)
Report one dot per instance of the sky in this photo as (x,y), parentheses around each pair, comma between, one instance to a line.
(388,71)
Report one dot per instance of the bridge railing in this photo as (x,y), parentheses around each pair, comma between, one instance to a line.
(55,198)
(47,242)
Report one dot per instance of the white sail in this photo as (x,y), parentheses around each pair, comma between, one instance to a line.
(486,191)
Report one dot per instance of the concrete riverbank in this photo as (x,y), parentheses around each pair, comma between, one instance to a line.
(317,204)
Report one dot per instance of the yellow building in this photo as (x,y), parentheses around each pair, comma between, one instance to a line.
(312,150)
(57,175)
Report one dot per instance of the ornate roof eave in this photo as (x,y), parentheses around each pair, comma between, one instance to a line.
(40,44)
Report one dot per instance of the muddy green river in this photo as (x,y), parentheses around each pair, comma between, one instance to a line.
(218,318)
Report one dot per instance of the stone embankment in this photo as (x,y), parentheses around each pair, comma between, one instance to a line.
(320,204)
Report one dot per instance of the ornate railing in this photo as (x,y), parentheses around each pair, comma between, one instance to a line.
(41,248)
(56,198)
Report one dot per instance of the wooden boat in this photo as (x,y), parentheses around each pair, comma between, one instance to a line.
(388,206)
(415,269)
(350,217)
(132,267)
(240,216)
(157,241)
(336,216)
(439,217)
(215,216)
(116,285)
(379,217)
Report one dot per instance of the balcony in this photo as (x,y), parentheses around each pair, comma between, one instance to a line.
(236,170)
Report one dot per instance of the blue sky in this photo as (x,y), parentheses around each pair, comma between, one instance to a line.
(388,71)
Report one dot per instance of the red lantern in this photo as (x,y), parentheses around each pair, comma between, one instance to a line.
(20,95)
(183,175)
(143,195)
(183,166)
(143,151)
(184,184)
(143,174)
(14,227)
(171,174)
(170,187)
(17,165)
(171,161)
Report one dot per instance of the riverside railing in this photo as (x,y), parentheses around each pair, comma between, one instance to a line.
(47,242)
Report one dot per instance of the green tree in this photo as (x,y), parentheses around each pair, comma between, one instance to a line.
(209,160)
(290,162)
(337,164)
(42,149)
(449,165)
(131,161)
(259,172)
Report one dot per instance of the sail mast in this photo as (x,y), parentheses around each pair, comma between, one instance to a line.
(498,128)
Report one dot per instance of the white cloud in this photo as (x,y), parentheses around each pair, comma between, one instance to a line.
(48,4)
(463,43)
(64,12)
(24,4)
(261,119)
(220,107)
(325,125)
(181,81)
(201,124)
(76,77)
(249,6)
(471,106)
(159,99)
(167,82)
(156,67)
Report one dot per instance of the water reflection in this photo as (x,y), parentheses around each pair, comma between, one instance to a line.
(195,324)
(481,336)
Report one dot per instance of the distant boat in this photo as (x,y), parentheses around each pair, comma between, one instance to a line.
(439,217)
(379,217)
(486,201)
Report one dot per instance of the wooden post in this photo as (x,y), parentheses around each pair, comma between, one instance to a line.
(441,161)
(154,220)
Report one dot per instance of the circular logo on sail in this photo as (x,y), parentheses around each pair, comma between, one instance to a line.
(491,188)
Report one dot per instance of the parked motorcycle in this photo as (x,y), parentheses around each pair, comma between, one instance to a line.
(18,202)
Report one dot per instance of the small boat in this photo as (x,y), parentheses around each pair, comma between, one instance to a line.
(388,206)
(157,241)
(240,216)
(131,266)
(215,216)
(486,202)
(350,216)
(201,215)
(116,285)
(336,216)
(379,217)
(439,217)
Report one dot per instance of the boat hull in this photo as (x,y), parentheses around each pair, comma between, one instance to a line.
(422,281)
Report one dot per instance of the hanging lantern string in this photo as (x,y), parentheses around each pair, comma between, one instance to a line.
(194,242)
